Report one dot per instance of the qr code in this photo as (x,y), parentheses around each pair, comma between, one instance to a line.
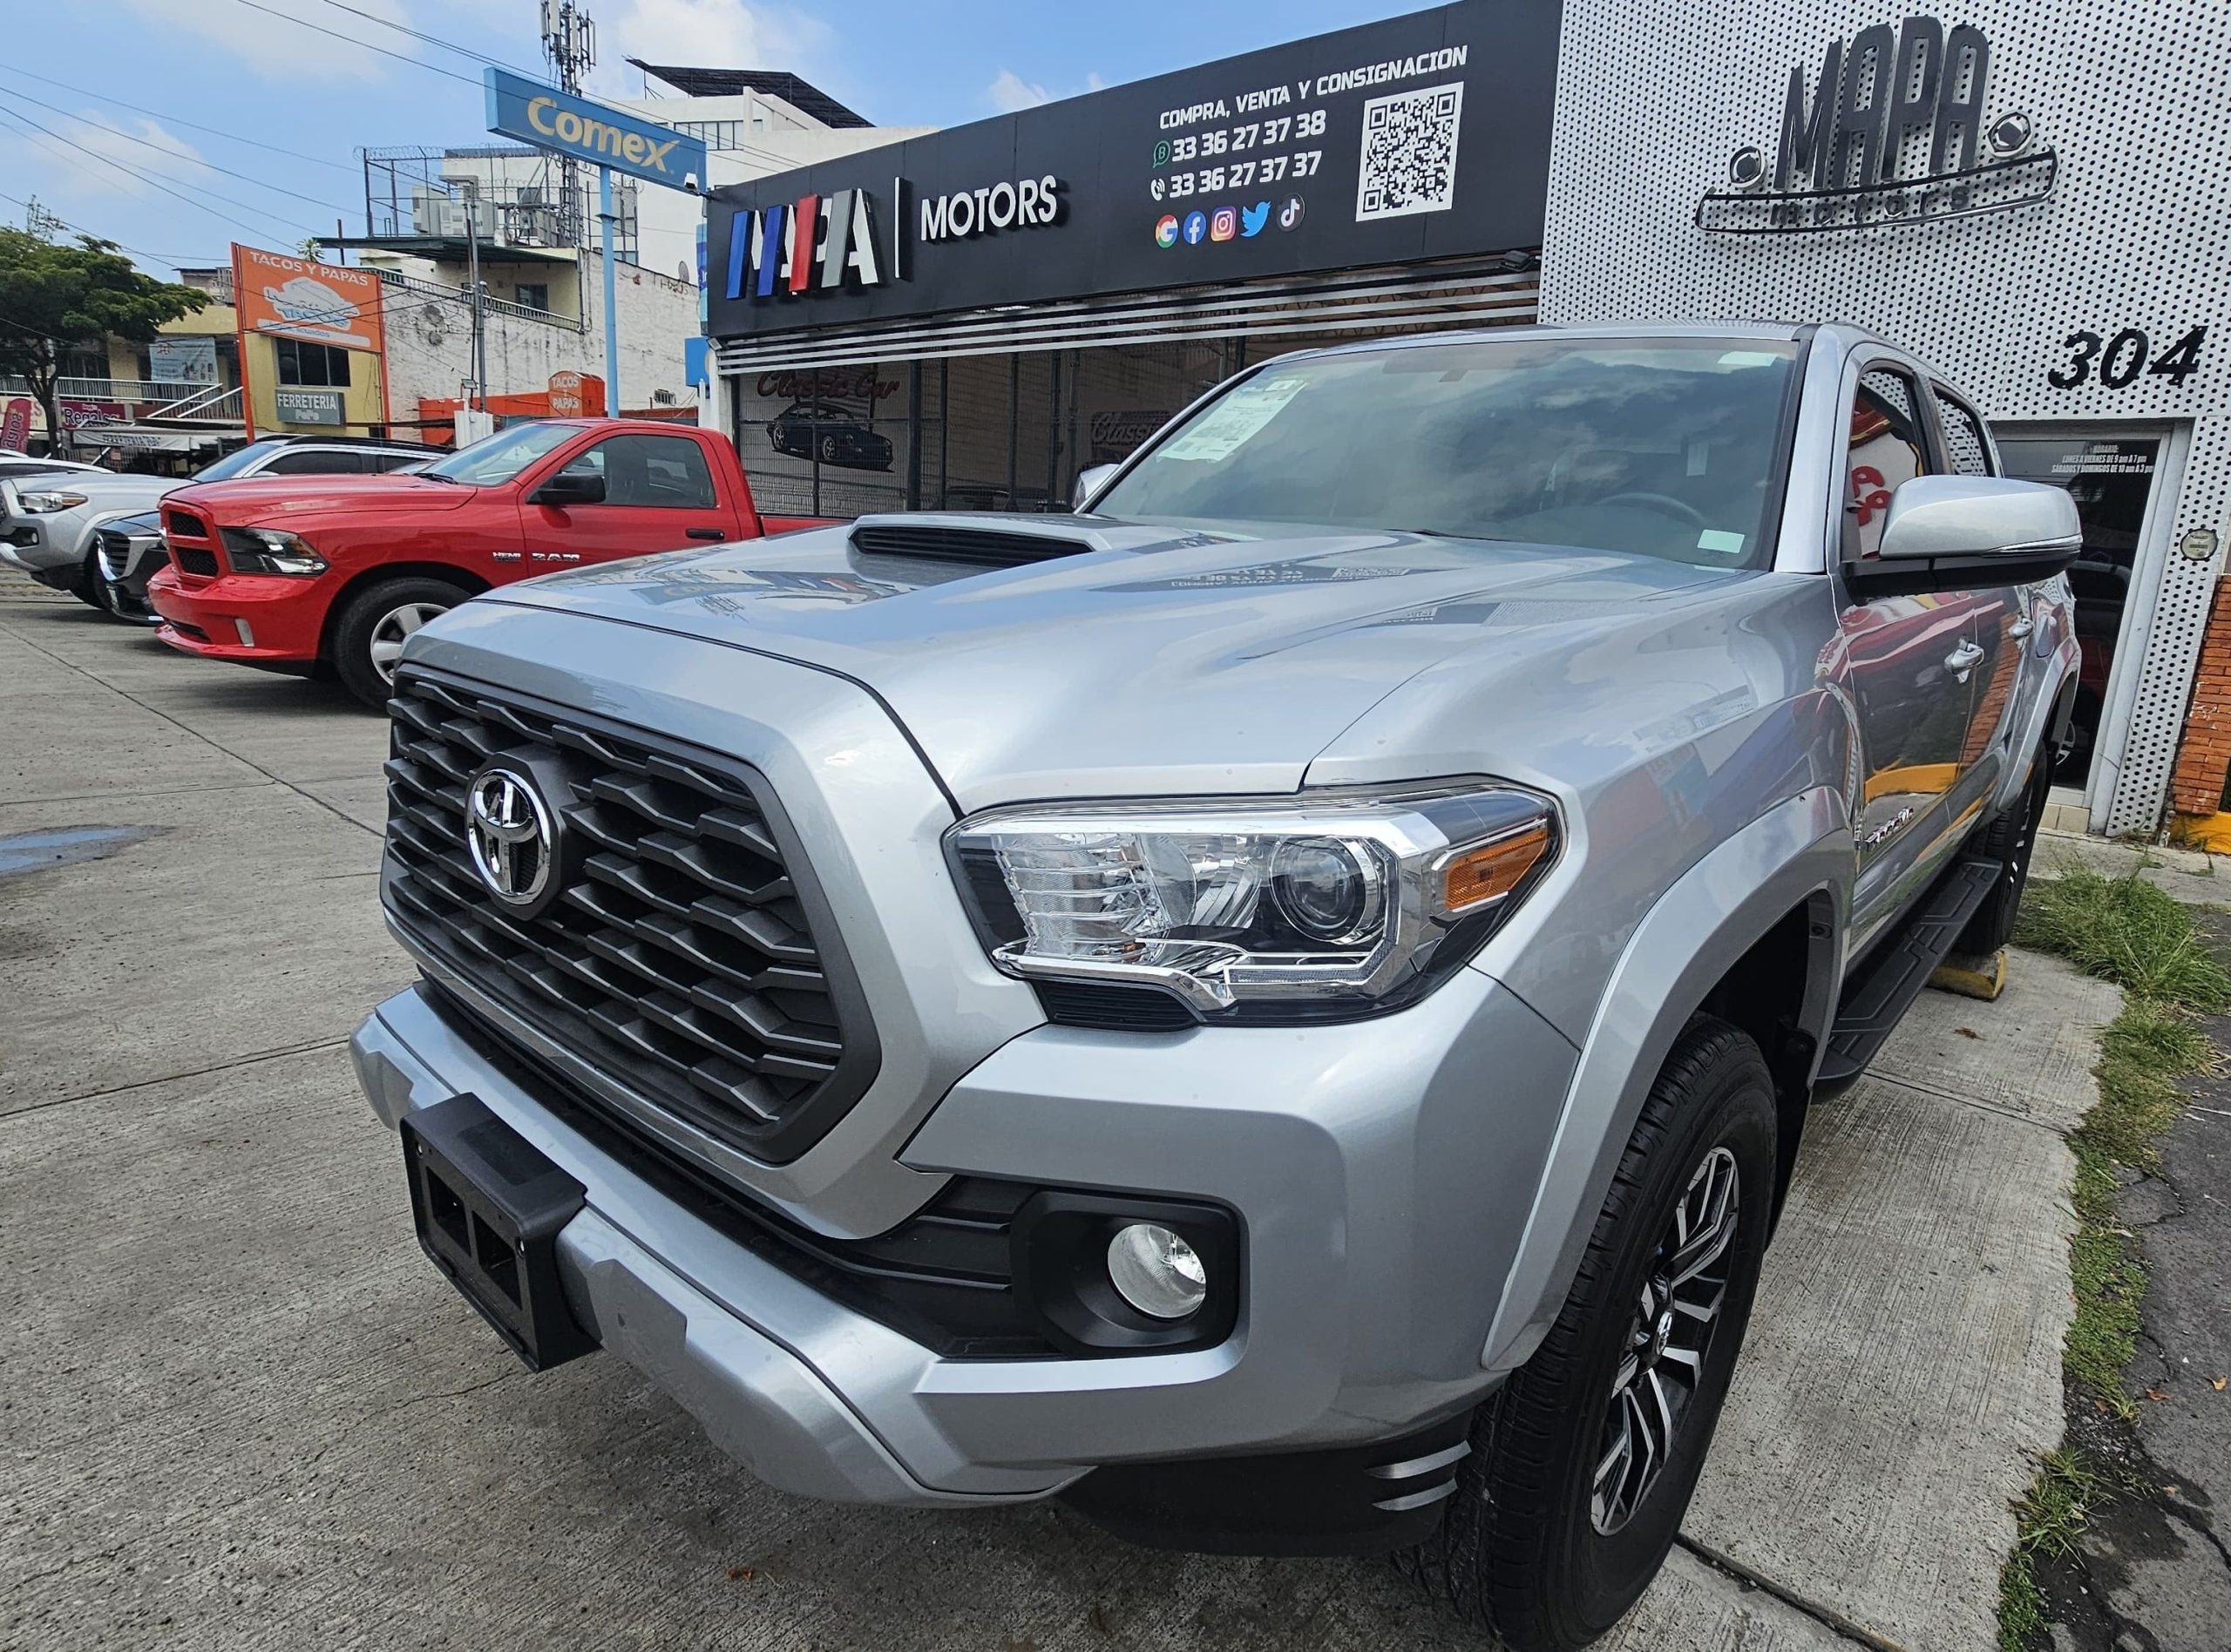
(1409,154)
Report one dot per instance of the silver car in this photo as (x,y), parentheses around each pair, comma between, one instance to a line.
(51,520)
(1277,1008)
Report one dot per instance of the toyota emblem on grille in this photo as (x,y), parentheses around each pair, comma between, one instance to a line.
(507,826)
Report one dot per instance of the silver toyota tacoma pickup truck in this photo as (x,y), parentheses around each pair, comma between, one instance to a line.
(1277,1008)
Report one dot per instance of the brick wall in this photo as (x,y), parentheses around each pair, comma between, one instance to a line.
(2196,787)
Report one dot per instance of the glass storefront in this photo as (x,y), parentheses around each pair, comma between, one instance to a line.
(2111,478)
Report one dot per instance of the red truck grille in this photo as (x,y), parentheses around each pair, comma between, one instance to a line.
(192,542)
(686,956)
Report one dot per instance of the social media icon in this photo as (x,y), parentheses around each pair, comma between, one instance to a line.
(1162,153)
(1196,228)
(1290,214)
(1165,231)
(1223,224)
(1252,218)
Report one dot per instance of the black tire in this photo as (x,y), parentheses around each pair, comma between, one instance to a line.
(2010,840)
(1522,1550)
(364,624)
(87,585)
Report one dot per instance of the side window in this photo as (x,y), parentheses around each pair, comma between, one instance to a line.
(1964,447)
(397,460)
(666,472)
(316,462)
(1886,447)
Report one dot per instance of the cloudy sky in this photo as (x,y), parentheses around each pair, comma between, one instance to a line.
(178,126)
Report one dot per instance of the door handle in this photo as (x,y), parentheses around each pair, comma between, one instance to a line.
(715,534)
(1961,659)
(2021,627)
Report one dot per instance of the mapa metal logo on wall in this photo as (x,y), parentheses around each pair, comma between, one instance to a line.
(1894,131)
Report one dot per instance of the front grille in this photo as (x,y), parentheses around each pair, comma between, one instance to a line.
(951,542)
(688,956)
(184,523)
(115,551)
(191,561)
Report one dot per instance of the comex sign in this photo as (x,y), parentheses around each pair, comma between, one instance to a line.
(610,139)
(548,119)
(1894,131)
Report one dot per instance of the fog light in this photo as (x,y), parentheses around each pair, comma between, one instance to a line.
(1155,1271)
(247,637)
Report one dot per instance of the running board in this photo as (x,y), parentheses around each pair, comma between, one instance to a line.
(1875,1000)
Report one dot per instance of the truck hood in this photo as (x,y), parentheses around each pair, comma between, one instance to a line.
(276,498)
(1182,660)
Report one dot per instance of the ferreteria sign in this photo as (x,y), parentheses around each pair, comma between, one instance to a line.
(1894,130)
(559,121)
(1424,137)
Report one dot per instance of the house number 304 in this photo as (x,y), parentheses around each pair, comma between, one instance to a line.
(2119,360)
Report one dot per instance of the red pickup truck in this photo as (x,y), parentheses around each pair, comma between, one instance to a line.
(301,573)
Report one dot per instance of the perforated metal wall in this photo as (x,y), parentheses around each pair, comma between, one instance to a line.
(2133,96)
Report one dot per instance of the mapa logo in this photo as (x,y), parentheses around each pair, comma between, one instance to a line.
(1894,129)
(815,243)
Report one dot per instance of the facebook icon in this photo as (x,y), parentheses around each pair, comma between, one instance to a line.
(1196,225)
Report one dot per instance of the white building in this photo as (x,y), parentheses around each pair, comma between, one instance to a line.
(535,234)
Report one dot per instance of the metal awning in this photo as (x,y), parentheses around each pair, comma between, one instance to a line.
(1438,296)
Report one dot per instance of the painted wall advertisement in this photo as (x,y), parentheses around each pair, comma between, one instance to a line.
(283,297)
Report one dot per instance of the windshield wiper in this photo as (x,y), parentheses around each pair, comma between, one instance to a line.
(436,475)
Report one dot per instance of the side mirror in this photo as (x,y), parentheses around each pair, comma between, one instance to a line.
(1957,533)
(1090,482)
(570,487)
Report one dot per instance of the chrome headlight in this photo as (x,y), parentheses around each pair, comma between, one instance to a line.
(47,504)
(270,551)
(1325,905)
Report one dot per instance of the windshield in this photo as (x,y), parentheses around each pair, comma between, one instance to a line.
(1660,447)
(496,459)
(233,462)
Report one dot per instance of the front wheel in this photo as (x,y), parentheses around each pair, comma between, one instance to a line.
(1582,1464)
(368,638)
(89,587)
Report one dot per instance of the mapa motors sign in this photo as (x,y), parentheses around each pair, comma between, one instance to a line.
(827,243)
(1895,128)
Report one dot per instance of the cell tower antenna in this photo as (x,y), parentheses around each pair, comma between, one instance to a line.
(569,43)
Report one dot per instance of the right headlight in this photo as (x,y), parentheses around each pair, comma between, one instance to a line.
(270,551)
(1326,905)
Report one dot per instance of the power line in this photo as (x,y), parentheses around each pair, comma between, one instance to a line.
(432,40)
(133,172)
(176,120)
(160,257)
(364,45)
(146,143)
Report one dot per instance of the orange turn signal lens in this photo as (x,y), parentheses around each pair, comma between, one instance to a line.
(1491,871)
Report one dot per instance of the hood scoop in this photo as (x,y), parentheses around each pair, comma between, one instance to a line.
(950,539)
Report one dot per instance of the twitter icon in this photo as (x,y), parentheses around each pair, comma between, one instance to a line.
(1252,218)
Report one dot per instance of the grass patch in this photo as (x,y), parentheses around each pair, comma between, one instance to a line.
(2121,930)
(2124,930)
(2048,1520)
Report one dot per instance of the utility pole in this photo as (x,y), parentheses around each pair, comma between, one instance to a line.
(469,188)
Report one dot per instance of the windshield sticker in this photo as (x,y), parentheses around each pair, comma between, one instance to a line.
(1749,358)
(1227,427)
(1720,540)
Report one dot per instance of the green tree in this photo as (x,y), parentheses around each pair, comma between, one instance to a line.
(53,295)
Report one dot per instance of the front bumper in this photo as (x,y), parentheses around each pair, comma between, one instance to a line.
(1382,1173)
(285,617)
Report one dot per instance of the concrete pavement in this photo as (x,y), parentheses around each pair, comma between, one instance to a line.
(240,1410)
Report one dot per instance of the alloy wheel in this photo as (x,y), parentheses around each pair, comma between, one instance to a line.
(394,629)
(1662,1360)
